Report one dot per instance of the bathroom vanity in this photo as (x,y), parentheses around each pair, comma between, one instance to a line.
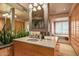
(34,47)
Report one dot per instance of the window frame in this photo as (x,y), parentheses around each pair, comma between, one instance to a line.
(55,27)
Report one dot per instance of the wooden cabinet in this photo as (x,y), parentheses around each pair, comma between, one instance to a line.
(26,49)
(7,51)
(75,29)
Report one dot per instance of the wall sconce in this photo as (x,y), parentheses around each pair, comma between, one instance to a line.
(6,14)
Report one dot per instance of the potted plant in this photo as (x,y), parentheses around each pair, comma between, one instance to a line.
(22,34)
(5,39)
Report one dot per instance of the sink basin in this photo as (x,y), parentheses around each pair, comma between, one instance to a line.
(34,40)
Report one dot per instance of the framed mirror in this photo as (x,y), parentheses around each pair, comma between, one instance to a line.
(38,19)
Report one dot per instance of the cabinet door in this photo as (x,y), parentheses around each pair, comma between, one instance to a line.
(8,51)
(26,49)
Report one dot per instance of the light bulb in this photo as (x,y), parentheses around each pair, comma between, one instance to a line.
(34,9)
(30,6)
(39,8)
(64,9)
(5,15)
(8,16)
(15,16)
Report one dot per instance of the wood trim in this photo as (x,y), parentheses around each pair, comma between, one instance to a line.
(72,9)
(55,28)
(58,15)
(22,7)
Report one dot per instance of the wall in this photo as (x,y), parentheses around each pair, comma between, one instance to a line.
(19,25)
(8,25)
(52,26)
(1,24)
(75,29)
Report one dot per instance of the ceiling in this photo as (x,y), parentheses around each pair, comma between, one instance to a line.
(56,9)
(59,8)
(21,9)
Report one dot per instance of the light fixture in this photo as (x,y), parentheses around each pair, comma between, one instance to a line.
(6,14)
(30,6)
(41,3)
(64,9)
(3,15)
(39,8)
(15,16)
(34,9)
(35,4)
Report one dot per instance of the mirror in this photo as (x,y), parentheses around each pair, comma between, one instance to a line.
(38,19)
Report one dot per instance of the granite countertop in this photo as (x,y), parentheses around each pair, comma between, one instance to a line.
(46,43)
(5,46)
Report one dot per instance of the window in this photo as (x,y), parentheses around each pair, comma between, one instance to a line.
(61,27)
